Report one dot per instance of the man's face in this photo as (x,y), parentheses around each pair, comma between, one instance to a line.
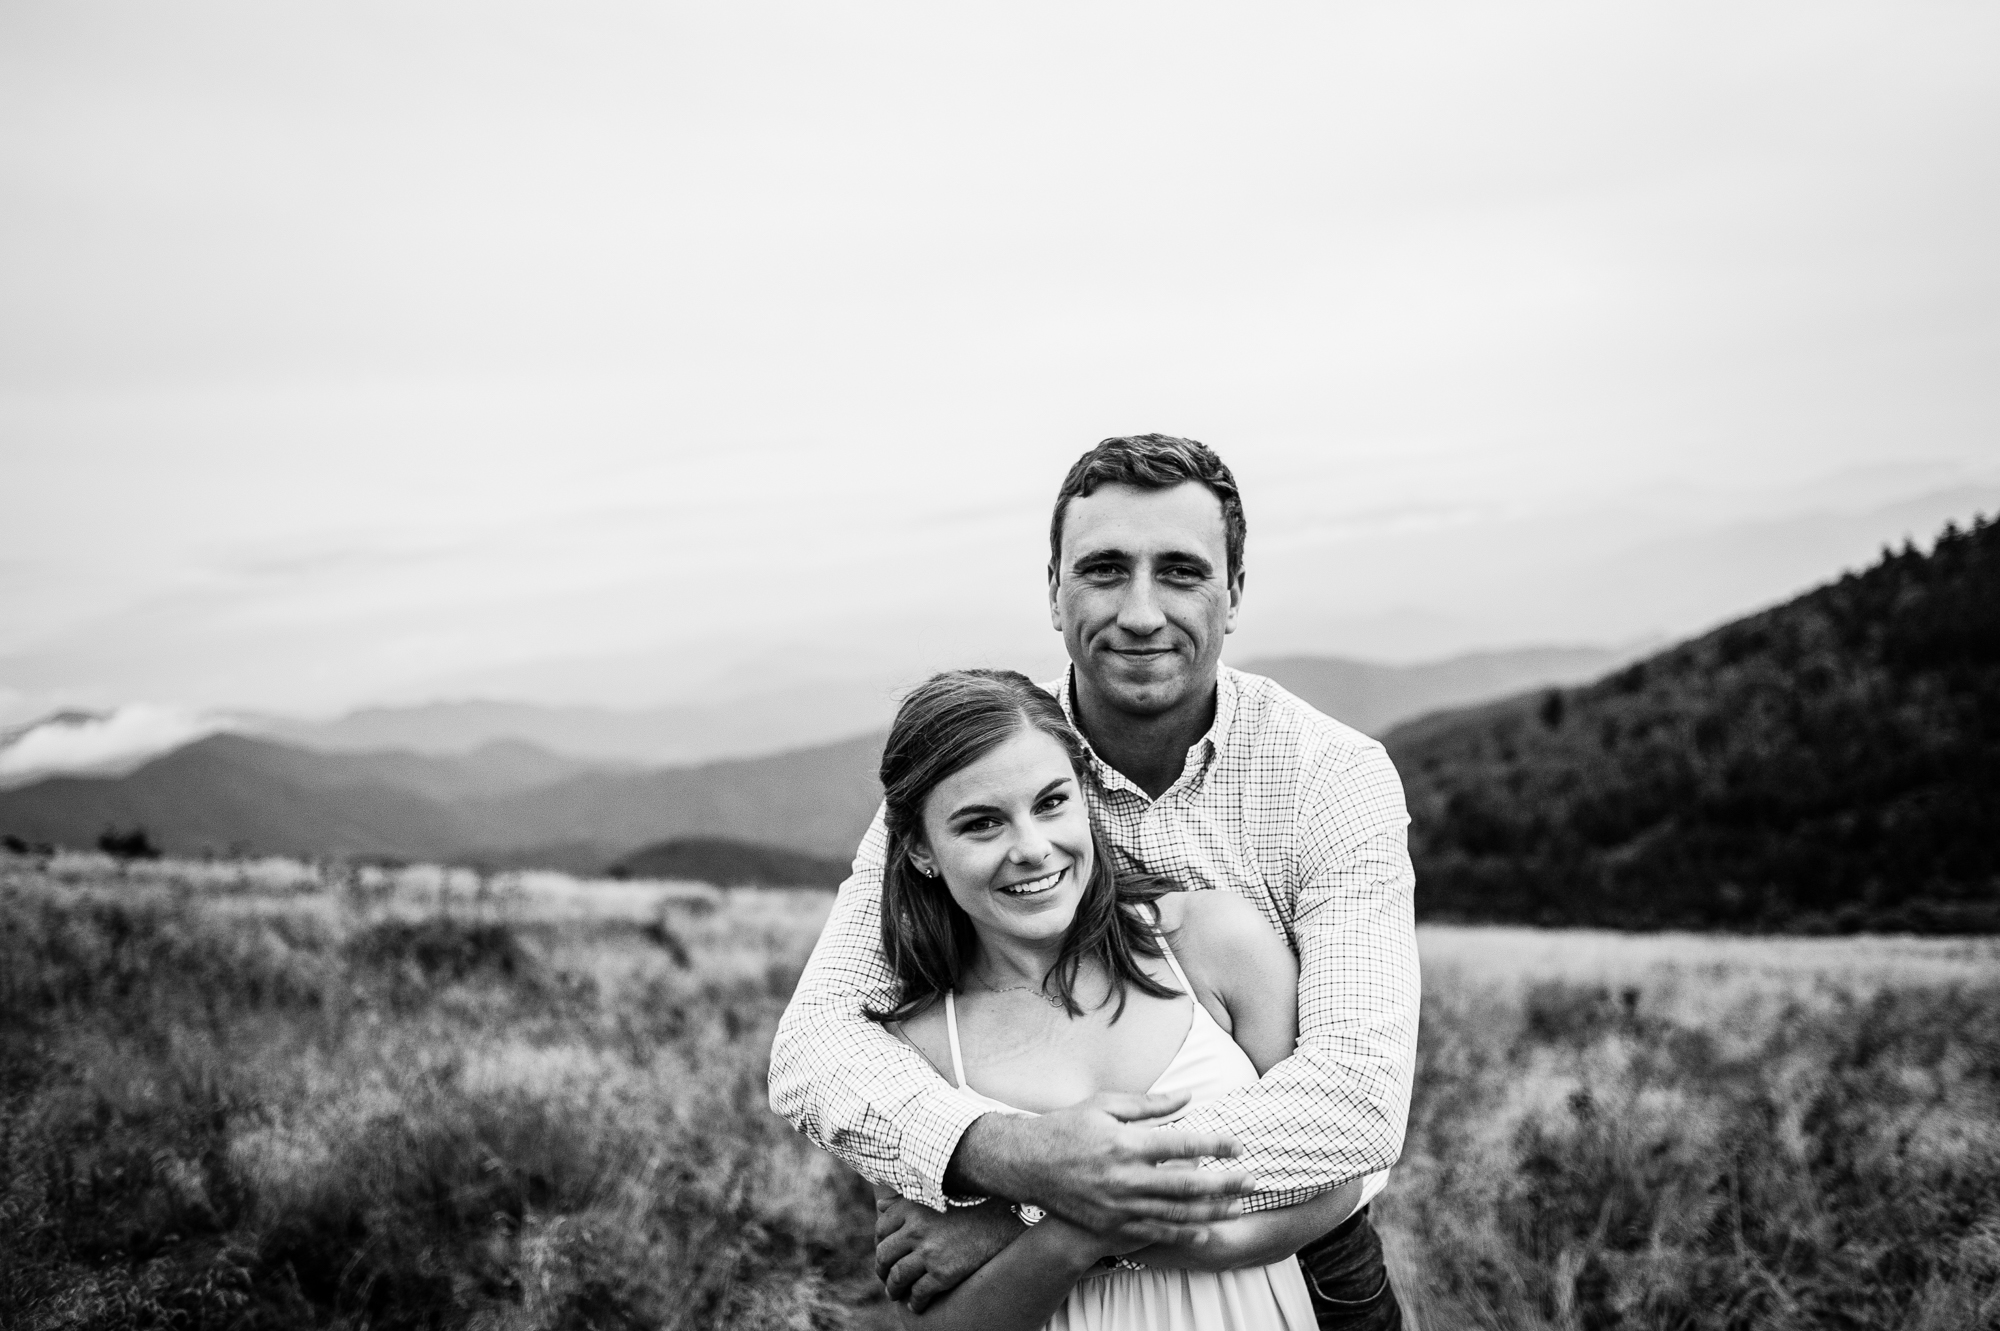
(1142,594)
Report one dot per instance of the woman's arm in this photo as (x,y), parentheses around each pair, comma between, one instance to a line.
(1021,1288)
(1261,1237)
(1234,957)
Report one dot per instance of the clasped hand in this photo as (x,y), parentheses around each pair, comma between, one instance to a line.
(1126,1186)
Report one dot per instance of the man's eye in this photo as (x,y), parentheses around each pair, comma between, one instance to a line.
(1184,573)
(1100,572)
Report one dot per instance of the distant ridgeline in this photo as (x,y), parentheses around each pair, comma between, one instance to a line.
(1833,763)
(728,863)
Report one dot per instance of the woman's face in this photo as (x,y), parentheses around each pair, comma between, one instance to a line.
(1010,837)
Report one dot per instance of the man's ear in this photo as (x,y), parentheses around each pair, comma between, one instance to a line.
(1055,606)
(1235,602)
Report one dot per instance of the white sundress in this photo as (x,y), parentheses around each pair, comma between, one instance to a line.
(1253,1298)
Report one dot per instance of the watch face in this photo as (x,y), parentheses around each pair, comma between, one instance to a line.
(1030,1213)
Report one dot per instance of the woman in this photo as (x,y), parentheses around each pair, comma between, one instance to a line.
(1032,977)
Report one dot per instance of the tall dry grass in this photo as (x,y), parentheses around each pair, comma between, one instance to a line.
(376,1103)
(253,1096)
(1684,1131)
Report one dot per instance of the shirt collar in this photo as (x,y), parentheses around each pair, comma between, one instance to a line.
(1200,757)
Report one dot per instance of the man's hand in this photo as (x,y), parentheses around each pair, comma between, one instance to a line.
(1090,1166)
(920,1253)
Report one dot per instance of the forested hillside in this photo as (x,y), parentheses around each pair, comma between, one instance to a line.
(1830,763)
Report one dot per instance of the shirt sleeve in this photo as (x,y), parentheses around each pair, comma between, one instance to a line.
(1337,1108)
(839,1078)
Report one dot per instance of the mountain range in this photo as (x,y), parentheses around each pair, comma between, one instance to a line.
(503,804)
(1830,763)
(1371,696)
(1374,698)
(516,784)
(770,722)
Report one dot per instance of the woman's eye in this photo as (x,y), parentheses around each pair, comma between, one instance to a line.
(1054,802)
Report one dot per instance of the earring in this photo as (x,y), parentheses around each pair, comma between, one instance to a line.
(927,871)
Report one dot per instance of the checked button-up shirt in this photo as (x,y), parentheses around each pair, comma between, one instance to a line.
(1297,812)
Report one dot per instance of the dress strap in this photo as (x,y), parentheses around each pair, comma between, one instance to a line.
(951,1034)
(1166,952)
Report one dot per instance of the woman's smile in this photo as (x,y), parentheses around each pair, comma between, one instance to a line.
(1034,887)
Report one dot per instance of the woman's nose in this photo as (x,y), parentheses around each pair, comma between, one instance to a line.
(1030,847)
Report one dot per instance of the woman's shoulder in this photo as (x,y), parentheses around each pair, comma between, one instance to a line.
(1220,933)
(1230,952)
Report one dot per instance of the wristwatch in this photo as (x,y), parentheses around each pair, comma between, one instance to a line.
(1029,1214)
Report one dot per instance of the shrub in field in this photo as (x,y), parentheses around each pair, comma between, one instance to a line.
(133,845)
(443,949)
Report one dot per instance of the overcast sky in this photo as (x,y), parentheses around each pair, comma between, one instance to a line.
(369,352)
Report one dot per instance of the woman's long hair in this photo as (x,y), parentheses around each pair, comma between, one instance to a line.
(948,723)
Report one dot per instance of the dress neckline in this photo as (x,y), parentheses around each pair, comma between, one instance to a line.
(1200,1014)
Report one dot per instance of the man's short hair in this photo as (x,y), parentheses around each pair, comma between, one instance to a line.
(1152,462)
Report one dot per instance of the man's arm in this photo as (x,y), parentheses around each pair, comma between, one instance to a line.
(1259,1239)
(851,1087)
(1336,1109)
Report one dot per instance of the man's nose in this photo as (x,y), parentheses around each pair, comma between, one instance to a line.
(1139,609)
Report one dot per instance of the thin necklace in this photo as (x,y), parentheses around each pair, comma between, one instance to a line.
(1053,1000)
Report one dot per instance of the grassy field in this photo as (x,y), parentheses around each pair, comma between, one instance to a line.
(262,1096)
(1671,1131)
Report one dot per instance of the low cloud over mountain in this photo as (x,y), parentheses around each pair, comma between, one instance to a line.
(82,741)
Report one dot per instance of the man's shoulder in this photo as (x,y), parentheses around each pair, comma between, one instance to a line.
(1335,782)
(1271,720)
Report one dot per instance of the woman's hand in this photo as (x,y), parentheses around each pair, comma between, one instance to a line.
(921,1254)
(1021,1287)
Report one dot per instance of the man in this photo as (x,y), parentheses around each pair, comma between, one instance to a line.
(1209,776)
